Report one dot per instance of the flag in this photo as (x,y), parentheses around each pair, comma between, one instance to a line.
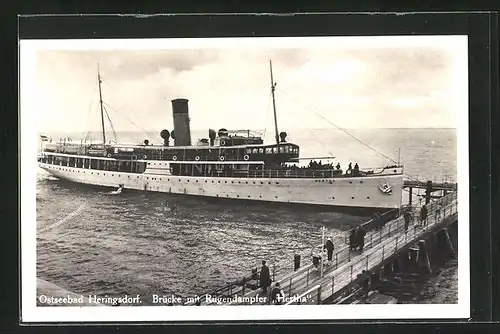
(44,138)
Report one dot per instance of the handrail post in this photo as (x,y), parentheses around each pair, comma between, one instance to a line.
(336,260)
(389,235)
(351,272)
(396,243)
(274,271)
(307,283)
(367,262)
(383,251)
(371,240)
(290,287)
(333,285)
(319,295)
(349,254)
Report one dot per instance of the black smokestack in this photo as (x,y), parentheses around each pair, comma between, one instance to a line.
(181,122)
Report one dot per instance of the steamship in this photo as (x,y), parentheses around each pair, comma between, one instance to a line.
(235,165)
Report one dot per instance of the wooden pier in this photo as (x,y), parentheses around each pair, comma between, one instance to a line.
(384,248)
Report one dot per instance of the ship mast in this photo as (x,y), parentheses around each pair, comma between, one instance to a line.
(102,110)
(273,87)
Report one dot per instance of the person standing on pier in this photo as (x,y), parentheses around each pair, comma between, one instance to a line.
(437,213)
(407,218)
(329,249)
(264,277)
(277,295)
(361,235)
(423,215)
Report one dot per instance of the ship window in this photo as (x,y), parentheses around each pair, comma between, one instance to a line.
(248,150)
(254,150)
(261,150)
(286,149)
(275,150)
(269,150)
(282,149)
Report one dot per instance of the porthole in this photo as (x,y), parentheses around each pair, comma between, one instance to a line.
(350,181)
(352,197)
(333,197)
(225,181)
(248,196)
(261,182)
(367,197)
(237,195)
(260,196)
(277,183)
(360,181)
(269,182)
(275,196)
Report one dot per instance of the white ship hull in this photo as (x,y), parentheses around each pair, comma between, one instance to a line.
(377,192)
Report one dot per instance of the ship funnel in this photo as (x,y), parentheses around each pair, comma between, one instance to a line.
(181,123)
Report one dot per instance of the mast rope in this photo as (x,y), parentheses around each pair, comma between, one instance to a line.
(346,132)
(128,119)
(110,123)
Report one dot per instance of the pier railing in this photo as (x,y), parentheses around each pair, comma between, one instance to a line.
(346,264)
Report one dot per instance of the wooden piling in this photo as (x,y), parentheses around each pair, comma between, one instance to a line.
(424,263)
(449,244)
(413,257)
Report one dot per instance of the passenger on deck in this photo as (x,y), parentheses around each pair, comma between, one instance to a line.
(349,168)
(338,166)
(265,277)
(277,295)
(329,249)
(356,169)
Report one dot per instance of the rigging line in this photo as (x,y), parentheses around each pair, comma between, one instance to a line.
(349,134)
(110,123)
(341,129)
(128,119)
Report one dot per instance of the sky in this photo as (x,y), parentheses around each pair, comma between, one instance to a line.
(349,82)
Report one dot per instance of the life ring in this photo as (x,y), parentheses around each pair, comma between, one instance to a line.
(174,158)
(222,158)
(246,157)
(109,155)
(197,158)
(223,143)
(144,157)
